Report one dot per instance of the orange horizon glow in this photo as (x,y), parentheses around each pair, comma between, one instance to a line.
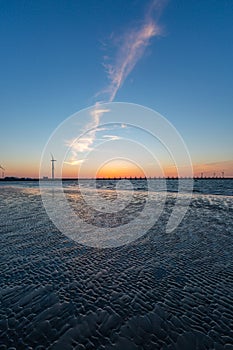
(118,169)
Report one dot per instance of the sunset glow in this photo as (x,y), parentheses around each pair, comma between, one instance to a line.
(120,168)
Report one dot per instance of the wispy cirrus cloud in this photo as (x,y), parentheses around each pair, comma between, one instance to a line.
(75,162)
(84,143)
(112,137)
(131,48)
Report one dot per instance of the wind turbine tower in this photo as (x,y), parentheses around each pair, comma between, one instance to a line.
(3,174)
(52,162)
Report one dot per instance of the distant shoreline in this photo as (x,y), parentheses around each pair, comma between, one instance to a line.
(10,179)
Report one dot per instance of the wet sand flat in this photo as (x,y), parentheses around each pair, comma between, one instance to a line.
(163,291)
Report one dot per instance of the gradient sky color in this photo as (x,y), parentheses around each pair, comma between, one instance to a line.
(56,59)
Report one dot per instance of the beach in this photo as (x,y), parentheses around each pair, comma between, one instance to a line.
(161,291)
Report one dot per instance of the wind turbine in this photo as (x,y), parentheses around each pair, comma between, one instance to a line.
(2,171)
(52,161)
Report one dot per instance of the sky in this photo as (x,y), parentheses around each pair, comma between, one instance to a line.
(60,57)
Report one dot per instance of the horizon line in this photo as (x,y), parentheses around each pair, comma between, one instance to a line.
(45,178)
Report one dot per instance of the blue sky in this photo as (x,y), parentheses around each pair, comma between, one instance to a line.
(52,65)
